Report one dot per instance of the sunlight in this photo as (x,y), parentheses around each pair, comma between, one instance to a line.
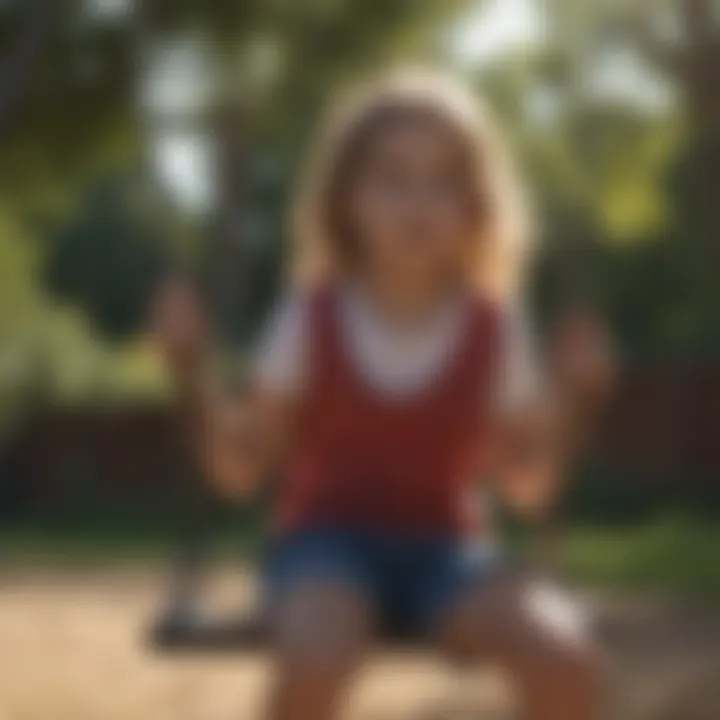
(108,10)
(496,28)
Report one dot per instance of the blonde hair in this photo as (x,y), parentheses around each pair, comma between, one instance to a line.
(503,237)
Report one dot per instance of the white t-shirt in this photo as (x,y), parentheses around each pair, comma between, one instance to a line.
(393,360)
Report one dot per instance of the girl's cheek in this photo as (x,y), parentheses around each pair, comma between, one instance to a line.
(450,226)
(390,219)
(382,214)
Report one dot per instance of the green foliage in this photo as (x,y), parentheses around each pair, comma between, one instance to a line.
(78,118)
(106,261)
(677,556)
(624,191)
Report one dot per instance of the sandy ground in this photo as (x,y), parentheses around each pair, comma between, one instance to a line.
(71,649)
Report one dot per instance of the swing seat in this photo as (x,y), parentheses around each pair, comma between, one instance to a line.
(246,634)
(186,635)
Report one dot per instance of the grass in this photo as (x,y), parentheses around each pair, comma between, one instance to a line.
(113,542)
(678,556)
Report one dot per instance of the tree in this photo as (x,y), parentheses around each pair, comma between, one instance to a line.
(77,118)
(106,261)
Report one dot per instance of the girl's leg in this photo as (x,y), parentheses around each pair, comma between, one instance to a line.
(537,638)
(321,630)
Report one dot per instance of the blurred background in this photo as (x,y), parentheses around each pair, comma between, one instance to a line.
(138,135)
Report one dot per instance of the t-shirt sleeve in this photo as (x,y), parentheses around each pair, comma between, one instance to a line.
(519,381)
(281,358)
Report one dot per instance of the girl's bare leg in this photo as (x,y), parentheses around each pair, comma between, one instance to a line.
(322,629)
(534,635)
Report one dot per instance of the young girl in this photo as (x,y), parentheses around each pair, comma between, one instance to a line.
(396,375)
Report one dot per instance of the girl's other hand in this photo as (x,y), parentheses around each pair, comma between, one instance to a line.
(232,452)
(583,358)
(180,327)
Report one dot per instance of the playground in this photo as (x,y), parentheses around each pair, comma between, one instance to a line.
(73,649)
(140,139)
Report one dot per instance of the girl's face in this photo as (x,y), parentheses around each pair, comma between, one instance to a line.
(410,205)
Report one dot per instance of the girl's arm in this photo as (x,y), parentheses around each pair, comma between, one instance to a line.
(238,435)
(542,428)
(243,439)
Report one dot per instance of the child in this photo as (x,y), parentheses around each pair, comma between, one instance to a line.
(396,373)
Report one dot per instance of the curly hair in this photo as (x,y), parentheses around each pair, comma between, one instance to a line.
(322,247)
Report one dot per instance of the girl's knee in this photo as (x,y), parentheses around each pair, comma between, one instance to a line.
(559,638)
(565,673)
(323,656)
(576,664)
(321,631)
(309,679)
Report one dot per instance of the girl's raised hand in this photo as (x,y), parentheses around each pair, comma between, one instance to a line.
(180,327)
(583,358)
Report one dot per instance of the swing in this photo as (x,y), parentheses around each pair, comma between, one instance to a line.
(247,633)
(180,629)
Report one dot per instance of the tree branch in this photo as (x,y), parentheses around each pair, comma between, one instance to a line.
(698,18)
(16,70)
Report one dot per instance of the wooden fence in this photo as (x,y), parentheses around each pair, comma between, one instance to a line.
(664,426)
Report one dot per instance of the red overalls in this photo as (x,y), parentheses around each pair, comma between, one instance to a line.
(364,461)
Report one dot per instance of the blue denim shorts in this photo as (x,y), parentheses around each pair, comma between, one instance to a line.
(410,581)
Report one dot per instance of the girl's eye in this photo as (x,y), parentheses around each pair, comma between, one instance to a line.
(393,181)
(396,179)
(446,183)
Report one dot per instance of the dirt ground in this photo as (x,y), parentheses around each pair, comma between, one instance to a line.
(71,649)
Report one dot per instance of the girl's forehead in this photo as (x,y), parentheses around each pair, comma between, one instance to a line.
(430,118)
(430,130)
